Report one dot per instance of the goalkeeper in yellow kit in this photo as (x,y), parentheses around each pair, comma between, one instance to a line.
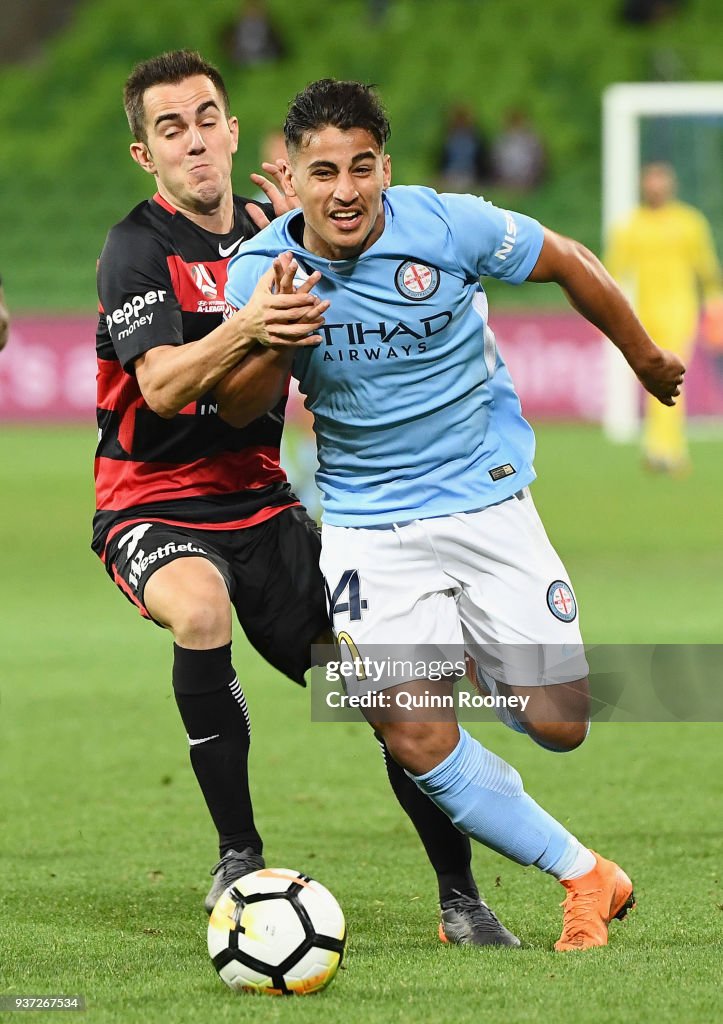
(664,254)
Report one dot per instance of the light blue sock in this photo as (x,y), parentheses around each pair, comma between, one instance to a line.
(484,797)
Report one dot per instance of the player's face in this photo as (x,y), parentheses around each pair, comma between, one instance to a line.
(338,177)
(657,185)
(190,144)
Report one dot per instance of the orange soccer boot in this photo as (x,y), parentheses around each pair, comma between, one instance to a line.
(592,901)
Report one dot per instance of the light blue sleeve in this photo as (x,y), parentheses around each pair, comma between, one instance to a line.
(244,271)
(490,242)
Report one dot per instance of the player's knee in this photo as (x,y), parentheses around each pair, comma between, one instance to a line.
(192,601)
(558,717)
(403,746)
(202,623)
(418,746)
(560,737)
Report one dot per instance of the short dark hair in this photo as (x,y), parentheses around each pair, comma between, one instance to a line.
(330,103)
(167,68)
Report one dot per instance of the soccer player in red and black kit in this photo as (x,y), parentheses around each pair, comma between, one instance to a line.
(195,516)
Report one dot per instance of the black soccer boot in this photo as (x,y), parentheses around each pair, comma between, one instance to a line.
(468,921)
(231,866)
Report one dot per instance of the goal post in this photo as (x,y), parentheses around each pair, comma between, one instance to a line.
(626,106)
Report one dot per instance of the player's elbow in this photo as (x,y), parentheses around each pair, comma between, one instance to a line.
(163,389)
(165,412)
(161,403)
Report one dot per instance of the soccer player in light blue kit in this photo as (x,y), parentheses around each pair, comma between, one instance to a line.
(430,536)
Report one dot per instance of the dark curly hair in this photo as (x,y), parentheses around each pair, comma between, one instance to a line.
(330,103)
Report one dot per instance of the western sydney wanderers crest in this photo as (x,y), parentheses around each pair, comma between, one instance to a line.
(416,280)
(561,601)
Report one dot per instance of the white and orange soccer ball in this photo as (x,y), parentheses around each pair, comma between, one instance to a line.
(277,932)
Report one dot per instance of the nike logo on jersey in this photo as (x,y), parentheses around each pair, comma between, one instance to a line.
(204,739)
(227,250)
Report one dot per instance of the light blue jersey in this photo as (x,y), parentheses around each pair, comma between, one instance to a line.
(415,412)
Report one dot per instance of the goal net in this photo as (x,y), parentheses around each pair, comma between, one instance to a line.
(681,124)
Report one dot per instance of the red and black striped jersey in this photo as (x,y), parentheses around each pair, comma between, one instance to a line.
(161,281)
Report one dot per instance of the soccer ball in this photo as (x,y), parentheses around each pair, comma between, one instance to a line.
(276,932)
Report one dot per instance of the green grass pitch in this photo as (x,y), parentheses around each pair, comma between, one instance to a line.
(105,844)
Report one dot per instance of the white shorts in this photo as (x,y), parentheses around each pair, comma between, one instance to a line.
(487,582)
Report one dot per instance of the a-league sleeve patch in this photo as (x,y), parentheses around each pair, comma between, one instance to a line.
(561,601)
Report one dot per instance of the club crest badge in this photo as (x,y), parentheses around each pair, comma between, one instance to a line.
(561,601)
(416,280)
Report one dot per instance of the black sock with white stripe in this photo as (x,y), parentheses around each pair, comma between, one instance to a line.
(213,709)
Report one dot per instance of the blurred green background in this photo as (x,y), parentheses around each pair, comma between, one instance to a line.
(65,175)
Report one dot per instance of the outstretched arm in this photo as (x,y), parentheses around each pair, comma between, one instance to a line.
(592,292)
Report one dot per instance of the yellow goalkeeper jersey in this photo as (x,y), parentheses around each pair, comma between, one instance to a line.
(666,259)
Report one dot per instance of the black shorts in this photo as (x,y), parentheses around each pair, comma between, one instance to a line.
(271,571)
